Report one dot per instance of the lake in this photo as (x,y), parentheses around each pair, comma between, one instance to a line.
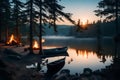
(83,52)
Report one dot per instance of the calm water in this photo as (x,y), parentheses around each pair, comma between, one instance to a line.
(83,52)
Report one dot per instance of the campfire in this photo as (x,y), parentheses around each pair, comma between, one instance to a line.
(12,40)
(36,44)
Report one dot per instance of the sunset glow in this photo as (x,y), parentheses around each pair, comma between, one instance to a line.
(59,39)
(81,53)
(83,21)
(81,9)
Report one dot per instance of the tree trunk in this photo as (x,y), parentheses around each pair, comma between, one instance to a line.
(0,25)
(116,13)
(99,37)
(17,32)
(17,28)
(40,29)
(31,26)
(117,29)
(0,31)
(54,9)
(6,33)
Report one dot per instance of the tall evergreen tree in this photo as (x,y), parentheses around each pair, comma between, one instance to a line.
(16,15)
(4,17)
(32,18)
(110,9)
(46,10)
(50,11)
(0,20)
(56,13)
(39,4)
(31,25)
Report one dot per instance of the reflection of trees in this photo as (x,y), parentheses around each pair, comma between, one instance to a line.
(84,53)
(77,51)
(103,59)
(103,53)
(102,56)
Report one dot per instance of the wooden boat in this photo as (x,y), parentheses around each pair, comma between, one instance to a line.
(55,52)
(54,67)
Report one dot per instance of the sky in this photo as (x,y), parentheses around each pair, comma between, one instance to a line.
(81,9)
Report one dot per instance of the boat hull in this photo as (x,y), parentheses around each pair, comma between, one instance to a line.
(54,67)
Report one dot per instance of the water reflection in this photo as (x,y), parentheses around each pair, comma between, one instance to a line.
(80,59)
(103,59)
(83,52)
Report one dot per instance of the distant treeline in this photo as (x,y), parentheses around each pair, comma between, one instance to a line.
(106,29)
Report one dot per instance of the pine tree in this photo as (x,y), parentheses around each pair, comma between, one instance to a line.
(4,17)
(16,16)
(110,9)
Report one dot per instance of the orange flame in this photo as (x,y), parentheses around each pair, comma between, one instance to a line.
(35,45)
(12,38)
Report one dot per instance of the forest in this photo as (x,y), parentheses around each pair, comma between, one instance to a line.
(32,38)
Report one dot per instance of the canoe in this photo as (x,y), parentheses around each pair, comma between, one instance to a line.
(54,67)
(55,52)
